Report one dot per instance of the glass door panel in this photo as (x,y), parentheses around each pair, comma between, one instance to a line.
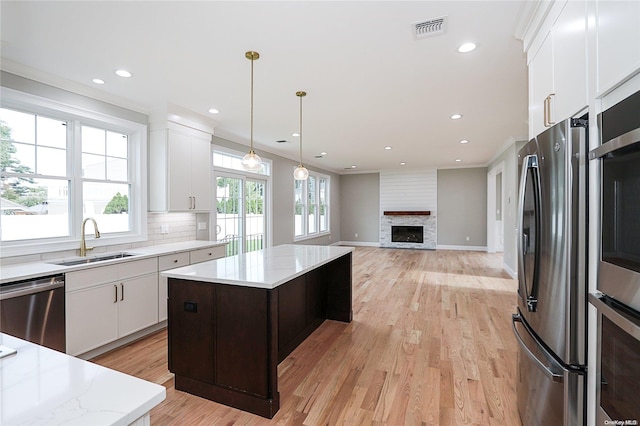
(255,218)
(229,215)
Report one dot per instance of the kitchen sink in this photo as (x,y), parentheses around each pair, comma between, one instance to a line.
(94,259)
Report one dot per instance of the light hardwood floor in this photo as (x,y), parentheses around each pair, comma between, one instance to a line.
(430,344)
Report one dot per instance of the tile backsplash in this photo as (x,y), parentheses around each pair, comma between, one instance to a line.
(162,228)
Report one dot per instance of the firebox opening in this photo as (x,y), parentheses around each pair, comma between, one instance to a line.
(407,234)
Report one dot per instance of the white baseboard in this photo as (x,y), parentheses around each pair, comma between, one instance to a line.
(468,248)
(123,341)
(510,271)
(357,243)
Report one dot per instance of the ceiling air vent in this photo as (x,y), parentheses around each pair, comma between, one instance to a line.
(430,28)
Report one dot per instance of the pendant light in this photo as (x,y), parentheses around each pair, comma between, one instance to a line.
(252,161)
(301,172)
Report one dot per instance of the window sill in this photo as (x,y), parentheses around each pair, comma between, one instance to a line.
(311,236)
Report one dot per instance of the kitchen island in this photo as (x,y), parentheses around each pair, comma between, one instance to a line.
(41,386)
(232,320)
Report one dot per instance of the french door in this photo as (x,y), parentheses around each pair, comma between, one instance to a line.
(240,212)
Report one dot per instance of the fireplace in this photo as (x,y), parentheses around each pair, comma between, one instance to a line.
(407,234)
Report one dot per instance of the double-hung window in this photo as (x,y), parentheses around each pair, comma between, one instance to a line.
(311,206)
(59,166)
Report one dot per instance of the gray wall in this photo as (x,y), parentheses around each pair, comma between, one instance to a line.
(462,207)
(360,214)
(282,197)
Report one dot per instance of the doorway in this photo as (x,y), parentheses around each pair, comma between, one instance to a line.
(495,209)
(240,212)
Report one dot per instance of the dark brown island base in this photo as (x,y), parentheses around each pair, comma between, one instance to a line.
(232,320)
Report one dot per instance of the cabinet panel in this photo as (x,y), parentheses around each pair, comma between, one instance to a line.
(540,86)
(91,318)
(618,49)
(180,170)
(242,338)
(570,61)
(90,277)
(191,350)
(137,307)
(201,174)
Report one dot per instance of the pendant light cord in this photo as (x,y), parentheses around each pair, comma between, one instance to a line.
(252,60)
(300,130)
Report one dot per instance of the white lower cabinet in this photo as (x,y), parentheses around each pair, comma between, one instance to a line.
(177,260)
(106,303)
(165,263)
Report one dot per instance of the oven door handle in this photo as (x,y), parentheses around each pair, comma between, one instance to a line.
(28,290)
(558,378)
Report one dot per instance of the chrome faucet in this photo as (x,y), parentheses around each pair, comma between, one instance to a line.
(83,243)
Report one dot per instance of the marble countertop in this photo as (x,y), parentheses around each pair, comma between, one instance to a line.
(40,386)
(266,268)
(23,271)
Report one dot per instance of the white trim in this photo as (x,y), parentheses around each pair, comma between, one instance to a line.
(513,274)
(357,243)
(463,248)
(491,206)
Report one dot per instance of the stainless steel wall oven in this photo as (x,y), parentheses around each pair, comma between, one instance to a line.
(619,155)
(618,296)
(618,363)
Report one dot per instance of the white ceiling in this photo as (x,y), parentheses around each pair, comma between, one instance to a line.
(370,83)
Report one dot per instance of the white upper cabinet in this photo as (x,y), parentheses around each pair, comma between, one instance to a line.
(558,68)
(179,170)
(618,42)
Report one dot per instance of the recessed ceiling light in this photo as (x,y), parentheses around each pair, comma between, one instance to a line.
(403,164)
(98,81)
(323,153)
(464,141)
(213,111)
(387,148)
(458,160)
(295,135)
(123,73)
(353,166)
(466,47)
(456,116)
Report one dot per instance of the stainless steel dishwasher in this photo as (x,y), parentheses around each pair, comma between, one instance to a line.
(33,310)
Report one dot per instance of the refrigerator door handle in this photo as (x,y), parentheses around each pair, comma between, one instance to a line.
(558,378)
(530,162)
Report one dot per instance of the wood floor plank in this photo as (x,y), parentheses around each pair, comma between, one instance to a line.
(430,344)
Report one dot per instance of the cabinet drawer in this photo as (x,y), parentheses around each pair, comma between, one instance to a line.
(90,277)
(137,268)
(202,255)
(171,261)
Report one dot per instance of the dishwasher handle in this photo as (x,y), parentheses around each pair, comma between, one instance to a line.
(32,287)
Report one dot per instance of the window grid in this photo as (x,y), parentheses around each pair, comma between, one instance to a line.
(43,195)
(311,207)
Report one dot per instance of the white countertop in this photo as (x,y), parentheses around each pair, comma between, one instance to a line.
(40,386)
(266,268)
(23,271)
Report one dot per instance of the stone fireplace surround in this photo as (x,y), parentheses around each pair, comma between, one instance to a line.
(408,218)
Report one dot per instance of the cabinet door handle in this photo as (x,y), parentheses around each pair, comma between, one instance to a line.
(550,120)
(121,291)
(194,203)
(190,203)
(115,300)
(546,112)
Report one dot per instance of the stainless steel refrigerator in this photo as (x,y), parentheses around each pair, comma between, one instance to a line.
(550,322)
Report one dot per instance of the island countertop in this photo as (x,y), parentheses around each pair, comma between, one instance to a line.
(43,386)
(267,268)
